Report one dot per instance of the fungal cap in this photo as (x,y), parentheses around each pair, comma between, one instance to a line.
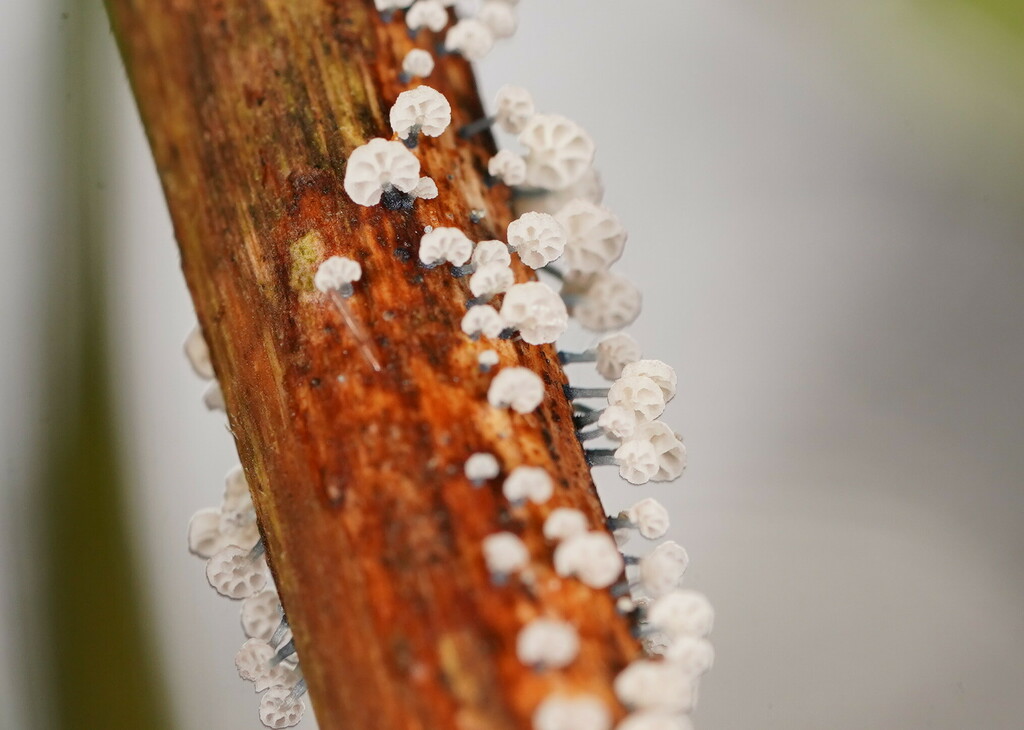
(418,62)
(505,553)
(663,568)
(654,685)
(261,614)
(560,151)
(607,301)
(491,279)
(538,238)
(513,108)
(235,575)
(445,244)
(614,353)
(650,518)
(661,373)
(595,237)
(280,708)
(423,109)
(536,311)
(336,273)
(508,167)
(682,613)
(563,523)
(482,319)
(639,394)
(480,467)
(618,422)
(499,17)
(378,165)
(593,557)
(528,482)
(517,388)
(582,712)
(198,354)
(637,460)
(488,358)
(426,189)
(547,643)
(692,654)
(471,38)
(213,397)
(254,664)
(671,453)
(655,720)
(491,252)
(427,14)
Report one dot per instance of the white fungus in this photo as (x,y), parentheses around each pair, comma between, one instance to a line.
(254,662)
(386,5)
(213,397)
(563,523)
(560,151)
(682,613)
(692,654)
(536,311)
(605,301)
(528,483)
(547,643)
(427,14)
(618,422)
(499,17)
(663,568)
(504,554)
(426,189)
(669,448)
(236,509)
(649,517)
(420,110)
(582,712)
(508,167)
(538,238)
(488,359)
(491,279)
(489,252)
(336,274)
(637,460)
(234,574)
(480,467)
(482,319)
(261,614)
(654,685)
(513,108)
(655,720)
(445,244)
(589,187)
(204,535)
(639,394)
(418,63)
(593,557)
(595,238)
(281,708)
(614,353)
(378,166)
(198,354)
(471,38)
(658,371)
(517,388)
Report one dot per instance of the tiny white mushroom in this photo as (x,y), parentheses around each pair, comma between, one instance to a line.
(337,273)
(427,14)
(380,166)
(423,109)
(235,573)
(213,397)
(582,712)
(639,394)
(669,448)
(255,663)
(536,311)
(648,685)
(649,517)
(655,720)
(426,189)
(261,614)
(491,279)
(528,482)
(482,319)
(560,151)
(614,353)
(538,238)
(471,38)
(595,238)
(692,654)
(281,708)
(487,359)
(593,557)
(618,422)
(563,523)
(682,613)
(513,108)
(236,509)
(663,568)
(589,187)
(637,461)
(204,536)
(604,301)
(480,467)
(489,252)
(504,554)
(499,16)
(418,63)
(661,373)
(508,167)
(547,643)
(198,354)
(517,388)
(443,244)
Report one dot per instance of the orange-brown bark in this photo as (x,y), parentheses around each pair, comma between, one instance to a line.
(373,532)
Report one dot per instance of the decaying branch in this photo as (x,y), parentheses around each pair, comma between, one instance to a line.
(372,530)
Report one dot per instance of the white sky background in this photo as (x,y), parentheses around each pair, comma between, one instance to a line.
(826,217)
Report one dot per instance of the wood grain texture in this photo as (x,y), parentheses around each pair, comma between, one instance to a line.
(373,533)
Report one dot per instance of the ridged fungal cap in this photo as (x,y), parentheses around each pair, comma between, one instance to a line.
(517,388)
(336,273)
(471,38)
(536,311)
(663,568)
(607,301)
(427,14)
(280,709)
(480,467)
(528,482)
(618,422)
(235,575)
(614,353)
(445,244)
(482,319)
(682,613)
(491,279)
(513,108)
(508,167)
(488,358)
(667,445)
(639,394)
(198,354)
(593,557)
(418,63)
(547,643)
(692,654)
(661,373)
(490,252)
(595,237)
(377,165)
(213,397)
(261,614)
(654,685)
(655,720)
(637,460)
(582,712)
(499,17)
(565,522)
(236,509)
(423,109)
(538,238)
(253,662)
(650,518)
(589,187)
(505,553)
(426,189)
(560,151)
(209,533)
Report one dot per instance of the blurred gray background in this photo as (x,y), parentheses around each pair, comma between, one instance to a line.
(826,213)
